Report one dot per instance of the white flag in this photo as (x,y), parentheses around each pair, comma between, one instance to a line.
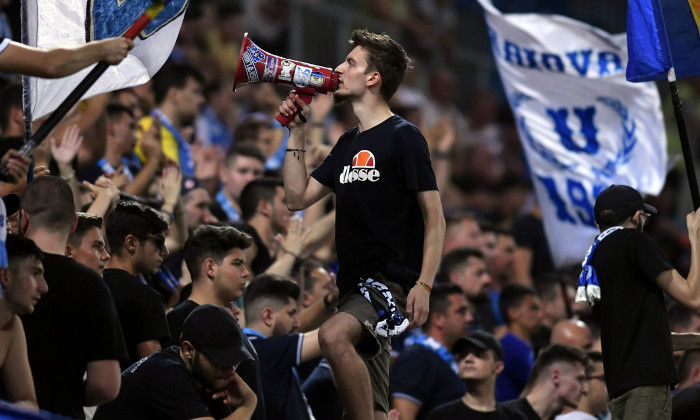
(582,125)
(67,23)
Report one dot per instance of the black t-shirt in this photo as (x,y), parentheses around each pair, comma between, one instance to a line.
(262,260)
(686,403)
(156,387)
(424,378)
(73,324)
(458,410)
(279,356)
(379,226)
(141,312)
(635,334)
(523,407)
(248,370)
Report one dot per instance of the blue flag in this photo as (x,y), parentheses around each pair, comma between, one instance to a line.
(655,47)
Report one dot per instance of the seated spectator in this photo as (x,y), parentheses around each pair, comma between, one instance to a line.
(243,163)
(136,235)
(170,382)
(594,402)
(86,244)
(480,358)
(519,307)
(557,381)
(689,369)
(270,304)
(572,332)
(74,340)
(216,261)
(425,375)
(23,285)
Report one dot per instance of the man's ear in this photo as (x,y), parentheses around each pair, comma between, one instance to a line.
(23,221)
(5,277)
(264,207)
(130,243)
(210,267)
(498,367)
(267,316)
(373,78)
(69,251)
(187,348)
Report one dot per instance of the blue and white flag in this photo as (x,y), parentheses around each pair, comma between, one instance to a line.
(66,23)
(582,124)
(655,47)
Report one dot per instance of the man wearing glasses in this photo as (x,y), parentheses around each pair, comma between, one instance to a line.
(624,278)
(178,382)
(136,235)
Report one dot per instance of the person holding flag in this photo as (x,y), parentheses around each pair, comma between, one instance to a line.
(624,278)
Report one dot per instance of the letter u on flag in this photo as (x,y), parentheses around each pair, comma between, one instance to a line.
(582,124)
(66,23)
(654,47)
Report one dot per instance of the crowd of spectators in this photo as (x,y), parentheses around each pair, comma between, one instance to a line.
(152,174)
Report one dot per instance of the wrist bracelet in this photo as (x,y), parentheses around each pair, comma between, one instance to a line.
(426,286)
(170,215)
(283,249)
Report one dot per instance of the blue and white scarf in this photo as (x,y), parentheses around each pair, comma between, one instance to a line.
(588,287)
(435,347)
(183,147)
(391,323)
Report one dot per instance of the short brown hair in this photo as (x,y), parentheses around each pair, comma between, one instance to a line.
(385,56)
(85,222)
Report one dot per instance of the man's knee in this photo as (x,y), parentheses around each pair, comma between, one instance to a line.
(339,333)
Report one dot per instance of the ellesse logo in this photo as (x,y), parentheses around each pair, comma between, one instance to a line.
(362,169)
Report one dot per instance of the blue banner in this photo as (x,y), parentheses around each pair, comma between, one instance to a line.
(654,46)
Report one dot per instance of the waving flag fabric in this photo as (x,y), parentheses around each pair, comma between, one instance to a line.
(582,125)
(662,34)
(51,23)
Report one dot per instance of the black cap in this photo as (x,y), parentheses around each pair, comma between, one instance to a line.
(189,184)
(481,340)
(622,200)
(11,203)
(212,330)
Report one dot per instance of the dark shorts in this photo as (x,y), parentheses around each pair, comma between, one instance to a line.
(375,352)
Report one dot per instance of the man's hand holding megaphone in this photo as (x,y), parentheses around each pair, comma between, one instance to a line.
(292,105)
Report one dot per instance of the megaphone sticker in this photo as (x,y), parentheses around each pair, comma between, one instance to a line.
(287,68)
(249,65)
(270,70)
(302,76)
(316,79)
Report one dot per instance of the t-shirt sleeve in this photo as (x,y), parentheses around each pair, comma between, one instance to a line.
(324,172)
(648,257)
(412,379)
(104,339)
(4,42)
(414,160)
(153,324)
(281,352)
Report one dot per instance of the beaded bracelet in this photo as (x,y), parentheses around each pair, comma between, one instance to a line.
(426,286)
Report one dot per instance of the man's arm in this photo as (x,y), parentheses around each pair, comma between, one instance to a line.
(408,409)
(60,62)
(434,220)
(686,292)
(146,348)
(15,372)
(310,348)
(102,383)
(300,190)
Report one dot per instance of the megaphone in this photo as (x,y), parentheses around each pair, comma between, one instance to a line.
(256,65)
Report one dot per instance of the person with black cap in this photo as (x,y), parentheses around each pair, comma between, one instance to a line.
(177,382)
(480,358)
(624,278)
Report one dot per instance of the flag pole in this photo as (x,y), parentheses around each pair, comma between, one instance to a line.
(683,134)
(83,86)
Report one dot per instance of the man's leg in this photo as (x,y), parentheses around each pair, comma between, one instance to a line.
(338,337)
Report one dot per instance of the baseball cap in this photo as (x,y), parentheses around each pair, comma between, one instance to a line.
(11,203)
(622,200)
(479,339)
(212,330)
(189,184)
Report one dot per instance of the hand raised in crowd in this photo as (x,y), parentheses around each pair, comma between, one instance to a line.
(19,186)
(320,107)
(103,186)
(207,161)
(65,152)
(150,142)
(692,220)
(292,242)
(442,136)
(119,177)
(170,183)
(114,50)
